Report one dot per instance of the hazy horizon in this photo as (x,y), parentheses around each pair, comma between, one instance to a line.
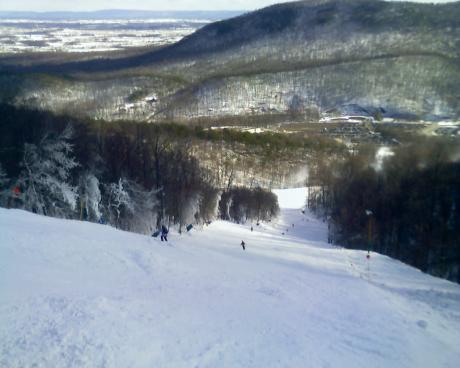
(149,5)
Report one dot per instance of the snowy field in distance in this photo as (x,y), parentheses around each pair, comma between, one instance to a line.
(26,35)
(77,294)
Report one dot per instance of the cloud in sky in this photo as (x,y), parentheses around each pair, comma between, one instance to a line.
(81,5)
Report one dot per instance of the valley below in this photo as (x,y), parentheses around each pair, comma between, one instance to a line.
(274,188)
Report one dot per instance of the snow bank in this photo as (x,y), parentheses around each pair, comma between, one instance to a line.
(75,294)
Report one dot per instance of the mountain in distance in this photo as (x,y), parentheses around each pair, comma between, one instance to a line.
(308,57)
(110,14)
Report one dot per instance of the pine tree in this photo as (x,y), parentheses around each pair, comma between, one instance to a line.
(45,177)
(90,197)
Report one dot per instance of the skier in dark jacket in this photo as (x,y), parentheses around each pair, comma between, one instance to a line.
(164,233)
(243,244)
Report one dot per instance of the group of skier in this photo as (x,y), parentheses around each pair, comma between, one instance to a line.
(163,232)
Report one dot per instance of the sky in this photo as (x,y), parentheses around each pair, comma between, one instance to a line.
(83,5)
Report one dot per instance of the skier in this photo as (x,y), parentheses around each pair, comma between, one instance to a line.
(252,229)
(164,233)
(16,191)
(243,244)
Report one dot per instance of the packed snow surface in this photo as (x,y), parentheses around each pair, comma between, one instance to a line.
(76,294)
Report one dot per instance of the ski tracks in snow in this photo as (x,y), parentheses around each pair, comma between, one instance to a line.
(76,294)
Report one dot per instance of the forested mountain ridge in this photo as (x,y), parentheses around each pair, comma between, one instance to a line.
(311,21)
(291,62)
(398,58)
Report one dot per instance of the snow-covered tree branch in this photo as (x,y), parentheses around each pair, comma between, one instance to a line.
(45,178)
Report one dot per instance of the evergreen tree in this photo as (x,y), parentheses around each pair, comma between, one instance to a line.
(45,176)
(90,197)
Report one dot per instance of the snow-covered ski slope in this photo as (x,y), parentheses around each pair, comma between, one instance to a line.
(76,294)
